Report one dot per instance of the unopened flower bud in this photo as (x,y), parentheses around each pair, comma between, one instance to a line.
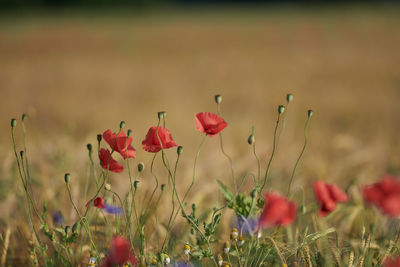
(13,122)
(136,184)
(218,99)
(23,117)
(186,249)
(289,98)
(162,187)
(162,115)
(129,133)
(281,109)
(67,177)
(22,153)
(122,124)
(89,147)
(75,227)
(251,140)
(227,247)
(99,138)
(253,193)
(107,187)
(140,166)
(67,229)
(179,150)
(310,113)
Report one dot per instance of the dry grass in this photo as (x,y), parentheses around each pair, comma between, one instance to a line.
(77,76)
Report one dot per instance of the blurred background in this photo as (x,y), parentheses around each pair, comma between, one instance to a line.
(79,67)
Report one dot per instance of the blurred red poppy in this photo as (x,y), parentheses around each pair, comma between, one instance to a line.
(119,253)
(152,144)
(209,123)
(385,195)
(278,211)
(98,202)
(392,262)
(328,195)
(107,160)
(120,143)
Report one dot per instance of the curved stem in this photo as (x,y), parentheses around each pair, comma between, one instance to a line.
(230,162)
(272,153)
(301,154)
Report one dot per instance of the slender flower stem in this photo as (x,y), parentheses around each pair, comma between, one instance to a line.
(272,153)
(230,162)
(301,154)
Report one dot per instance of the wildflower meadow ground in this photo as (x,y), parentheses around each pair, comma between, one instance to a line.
(268,227)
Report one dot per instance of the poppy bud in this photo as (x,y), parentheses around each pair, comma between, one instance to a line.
(179,150)
(35,261)
(13,122)
(67,177)
(67,229)
(129,133)
(140,166)
(281,109)
(309,113)
(162,187)
(218,99)
(122,124)
(162,115)
(99,138)
(251,140)
(23,117)
(253,193)
(22,153)
(89,147)
(75,227)
(289,98)
(136,184)
(107,187)
(227,247)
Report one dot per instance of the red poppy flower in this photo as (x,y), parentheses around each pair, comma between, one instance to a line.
(385,195)
(152,144)
(278,211)
(98,202)
(209,123)
(120,143)
(119,253)
(392,262)
(107,160)
(328,195)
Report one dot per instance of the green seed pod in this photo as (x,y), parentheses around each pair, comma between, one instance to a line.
(253,193)
(121,124)
(281,109)
(129,133)
(22,153)
(289,98)
(99,138)
(218,99)
(67,177)
(251,140)
(179,150)
(162,187)
(23,117)
(13,122)
(140,166)
(310,113)
(136,184)
(89,147)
